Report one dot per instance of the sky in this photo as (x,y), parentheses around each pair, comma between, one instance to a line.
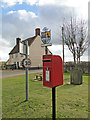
(20,18)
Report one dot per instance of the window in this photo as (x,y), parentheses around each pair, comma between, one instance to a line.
(21,55)
(16,55)
(21,63)
(12,56)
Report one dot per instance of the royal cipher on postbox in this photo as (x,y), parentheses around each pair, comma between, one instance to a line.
(52,71)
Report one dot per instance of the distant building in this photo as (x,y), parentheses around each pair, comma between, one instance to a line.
(35,51)
(2,65)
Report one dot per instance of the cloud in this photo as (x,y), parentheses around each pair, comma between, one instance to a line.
(46,2)
(23,14)
(4,49)
(81,6)
(3,42)
(18,24)
(11,12)
(31,2)
(22,22)
(53,18)
(11,2)
(75,3)
(57,50)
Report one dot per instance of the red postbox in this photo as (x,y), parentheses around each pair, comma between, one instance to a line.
(52,71)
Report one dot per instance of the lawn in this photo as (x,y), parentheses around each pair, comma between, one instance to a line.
(71,100)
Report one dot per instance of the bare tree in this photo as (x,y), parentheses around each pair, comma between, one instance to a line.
(75,37)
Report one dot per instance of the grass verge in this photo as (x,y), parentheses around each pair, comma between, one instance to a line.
(71,100)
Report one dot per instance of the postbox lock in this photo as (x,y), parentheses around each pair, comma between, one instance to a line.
(47,68)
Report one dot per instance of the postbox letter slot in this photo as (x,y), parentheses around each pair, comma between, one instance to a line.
(46,60)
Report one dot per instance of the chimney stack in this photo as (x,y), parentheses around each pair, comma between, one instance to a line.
(37,31)
(18,40)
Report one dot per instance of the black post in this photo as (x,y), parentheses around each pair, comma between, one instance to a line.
(53,104)
(26,72)
(53,95)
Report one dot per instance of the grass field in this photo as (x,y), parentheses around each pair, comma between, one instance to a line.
(71,100)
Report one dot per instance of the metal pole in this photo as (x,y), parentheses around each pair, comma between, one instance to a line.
(26,72)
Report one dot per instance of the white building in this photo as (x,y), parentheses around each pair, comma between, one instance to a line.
(35,51)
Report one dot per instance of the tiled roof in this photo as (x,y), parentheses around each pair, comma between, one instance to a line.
(16,48)
(30,40)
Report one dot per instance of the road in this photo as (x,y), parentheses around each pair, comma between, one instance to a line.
(10,73)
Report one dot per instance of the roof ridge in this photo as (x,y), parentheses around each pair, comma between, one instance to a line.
(29,38)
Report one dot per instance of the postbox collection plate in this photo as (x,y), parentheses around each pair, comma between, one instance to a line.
(47,76)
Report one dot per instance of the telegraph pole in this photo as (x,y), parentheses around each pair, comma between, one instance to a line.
(63,42)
